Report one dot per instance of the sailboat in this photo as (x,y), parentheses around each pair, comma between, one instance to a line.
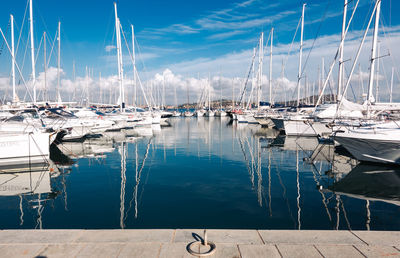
(22,141)
(176,112)
(314,121)
(187,113)
(247,114)
(221,112)
(378,141)
(209,112)
(264,109)
(297,124)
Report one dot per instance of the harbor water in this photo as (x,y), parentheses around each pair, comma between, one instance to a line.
(200,173)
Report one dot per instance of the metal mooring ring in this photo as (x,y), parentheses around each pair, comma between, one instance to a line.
(212,250)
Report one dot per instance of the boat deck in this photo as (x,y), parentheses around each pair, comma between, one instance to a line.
(172,243)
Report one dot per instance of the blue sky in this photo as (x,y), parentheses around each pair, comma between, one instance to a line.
(189,38)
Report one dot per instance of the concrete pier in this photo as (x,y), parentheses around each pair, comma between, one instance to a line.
(172,243)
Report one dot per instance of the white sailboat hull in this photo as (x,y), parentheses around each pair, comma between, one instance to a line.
(156,118)
(24,148)
(209,114)
(251,120)
(220,113)
(188,114)
(372,145)
(146,121)
(199,113)
(305,128)
(241,118)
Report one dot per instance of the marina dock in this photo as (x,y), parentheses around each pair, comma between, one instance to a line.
(173,243)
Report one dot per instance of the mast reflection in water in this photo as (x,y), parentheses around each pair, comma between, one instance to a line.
(200,173)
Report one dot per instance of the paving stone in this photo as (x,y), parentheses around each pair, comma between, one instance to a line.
(339,251)
(391,238)
(253,251)
(24,250)
(139,235)
(61,250)
(226,251)
(140,250)
(186,235)
(39,236)
(219,236)
(174,250)
(378,251)
(234,236)
(179,250)
(290,250)
(100,250)
(308,237)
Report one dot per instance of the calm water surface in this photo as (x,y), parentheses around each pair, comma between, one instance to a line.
(200,173)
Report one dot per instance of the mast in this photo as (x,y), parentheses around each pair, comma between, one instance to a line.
(312,92)
(306,90)
(110,96)
(209,90)
(187,92)
(370,97)
(87,86)
(341,50)
(14,100)
(233,93)
(74,78)
(300,56)
(119,56)
(45,67)
(163,93)
(282,77)
(59,64)
(220,90)
(134,67)
(323,76)
(270,68)
(32,51)
(253,81)
(319,81)
(175,98)
(260,65)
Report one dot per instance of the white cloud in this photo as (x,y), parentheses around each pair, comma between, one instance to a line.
(5,83)
(51,78)
(175,28)
(228,34)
